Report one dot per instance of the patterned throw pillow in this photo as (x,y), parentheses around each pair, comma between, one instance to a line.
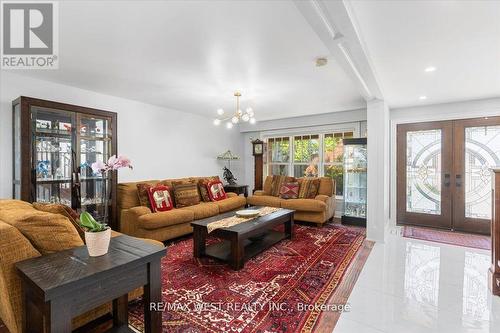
(277,182)
(63,210)
(202,186)
(289,191)
(160,198)
(142,193)
(308,188)
(186,194)
(216,191)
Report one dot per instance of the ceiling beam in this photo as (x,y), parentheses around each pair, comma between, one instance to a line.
(335,24)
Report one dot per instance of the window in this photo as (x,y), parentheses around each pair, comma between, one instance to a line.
(278,156)
(306,156)
(333,158)
(309,155)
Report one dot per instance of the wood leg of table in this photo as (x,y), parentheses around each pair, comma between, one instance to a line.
(58,317)
(152,294)
(237,254)
(199,242)
(32,315)
(120,311)
(245,194)
(289,228)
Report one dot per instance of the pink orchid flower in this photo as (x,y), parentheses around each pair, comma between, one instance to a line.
(114,163)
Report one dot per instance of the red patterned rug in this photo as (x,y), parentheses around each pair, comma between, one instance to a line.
(448,237)
(280,290)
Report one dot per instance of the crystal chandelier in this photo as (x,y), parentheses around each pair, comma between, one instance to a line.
(239,115)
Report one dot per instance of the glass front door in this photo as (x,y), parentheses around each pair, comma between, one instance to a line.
(444,177)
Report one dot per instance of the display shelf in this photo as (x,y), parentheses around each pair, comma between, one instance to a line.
(355,181)
(54,146)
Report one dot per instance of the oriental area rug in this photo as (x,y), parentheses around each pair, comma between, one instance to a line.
(283,289)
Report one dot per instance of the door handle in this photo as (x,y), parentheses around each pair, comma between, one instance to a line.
(458,180)
(446,179)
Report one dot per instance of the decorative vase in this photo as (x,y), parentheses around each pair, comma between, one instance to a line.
(98,242)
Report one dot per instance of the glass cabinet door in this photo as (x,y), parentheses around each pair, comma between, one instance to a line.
(53,162)
(94,144)
(355,180)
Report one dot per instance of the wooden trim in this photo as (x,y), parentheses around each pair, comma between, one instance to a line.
(329,319)
(494,271)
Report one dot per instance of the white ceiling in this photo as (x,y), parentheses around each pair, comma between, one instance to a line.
(192,56)
(460,38)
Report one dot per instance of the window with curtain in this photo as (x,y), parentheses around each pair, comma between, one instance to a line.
(308,155)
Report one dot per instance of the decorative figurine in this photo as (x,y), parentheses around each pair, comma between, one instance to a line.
(229,177)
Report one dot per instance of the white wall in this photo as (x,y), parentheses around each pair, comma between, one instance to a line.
(162,143)
(436,112)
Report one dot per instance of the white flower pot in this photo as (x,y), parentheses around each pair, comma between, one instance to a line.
(98,242)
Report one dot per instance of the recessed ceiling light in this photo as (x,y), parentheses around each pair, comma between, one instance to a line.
(430,69)
(422,98)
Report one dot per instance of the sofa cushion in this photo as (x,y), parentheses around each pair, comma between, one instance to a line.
(308,188)
(46,231)
(14,247)
(231,203)
(289,190)
(186,194)
(143,193)
(14,204)
(264,200)
(268,183)
(216,190)
(163,219)
(65,211)
(203,210)
(326,186)
(277,182)
(160,198)
(308,205)
(202,186)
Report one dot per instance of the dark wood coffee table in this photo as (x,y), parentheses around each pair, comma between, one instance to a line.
(59,286)
(244,240)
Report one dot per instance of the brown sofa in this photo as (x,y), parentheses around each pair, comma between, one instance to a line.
(318,210)
(139,221)
(15,247)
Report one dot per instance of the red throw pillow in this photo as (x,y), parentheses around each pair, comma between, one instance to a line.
(160,198)
(289,191)
(216,190)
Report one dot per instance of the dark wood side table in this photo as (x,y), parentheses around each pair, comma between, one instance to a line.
(59,286)
(238,189)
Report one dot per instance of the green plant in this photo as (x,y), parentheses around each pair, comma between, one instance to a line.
(90,224)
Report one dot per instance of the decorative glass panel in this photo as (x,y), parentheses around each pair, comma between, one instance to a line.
(482,151)
(423,172)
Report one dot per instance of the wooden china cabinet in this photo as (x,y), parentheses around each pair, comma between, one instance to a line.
(54,145)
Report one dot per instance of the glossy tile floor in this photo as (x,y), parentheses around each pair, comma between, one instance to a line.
(409,285)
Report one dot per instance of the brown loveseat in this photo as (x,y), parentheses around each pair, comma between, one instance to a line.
(15,247)
(318,210)
(139,221)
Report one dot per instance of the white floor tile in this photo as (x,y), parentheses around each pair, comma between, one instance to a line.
(410,286)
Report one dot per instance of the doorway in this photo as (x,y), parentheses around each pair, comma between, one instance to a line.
(443,173)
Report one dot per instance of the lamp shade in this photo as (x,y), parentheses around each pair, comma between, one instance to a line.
(227,156)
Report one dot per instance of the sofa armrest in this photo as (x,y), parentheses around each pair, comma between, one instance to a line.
(129,217)
(258,192)
(331,203)
(231,194)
